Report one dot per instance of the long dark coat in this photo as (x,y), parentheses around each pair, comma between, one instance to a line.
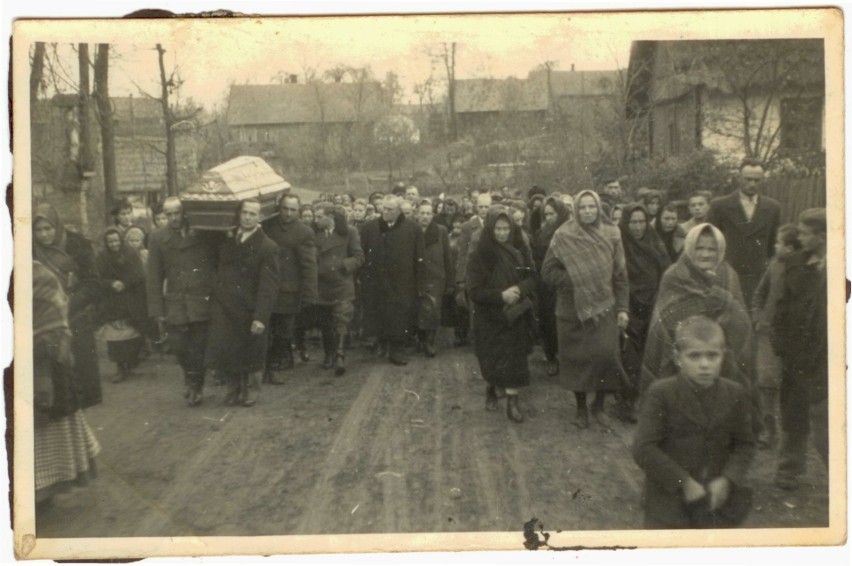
(501,346)
(391,278)
(338,260)
(297,263)
(245,290)
(437,276)
(750,244)
(676,439)
(129,304)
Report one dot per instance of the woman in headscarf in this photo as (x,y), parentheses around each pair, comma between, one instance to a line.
(653,201)
(669,231)
(501,283)
(647,260)
(700,283)
(65,446)
(585,262)
(554,214)
(125,308)
(71,258)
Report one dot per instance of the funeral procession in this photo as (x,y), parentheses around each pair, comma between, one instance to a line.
(431,290)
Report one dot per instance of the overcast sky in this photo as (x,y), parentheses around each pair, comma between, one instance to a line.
(494,46)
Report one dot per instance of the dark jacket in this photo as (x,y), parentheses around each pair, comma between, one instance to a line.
(185,266)
(392,276)
(338,260)
(128,304)
(468,229)
(676,439)
(297,259)
(800,325)
(750,244)
(437,275)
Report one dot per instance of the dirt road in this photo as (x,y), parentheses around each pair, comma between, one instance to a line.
(382,449)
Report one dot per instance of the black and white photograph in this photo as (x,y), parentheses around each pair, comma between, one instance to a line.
(428,282)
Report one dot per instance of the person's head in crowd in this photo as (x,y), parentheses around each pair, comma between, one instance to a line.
(451,207)
(519,216)
(376,199)
(699,350)
(752,173)
(398,190)
(112,240)
(159,215)
(289,208)
(249,214)
(699,205)
(588,208)
(425,214)
(457,220)
(370,212)
(504,192)
(359,210)
(612,189)
(173,209)
(536,201)
(306,214)
(347,198)
(568,201)
(122,214)
(704,245)
(412,194)
(813,231)
(474,194)
(640,194)
(391,205)
(788,241)
(406,208)
(438,207)
(483,203)
(497,196)
(638,222)
(534,192)
(653,201)
(324,221)
(615,214)
(500,229)
(667,218)
(134,238)
(336,199)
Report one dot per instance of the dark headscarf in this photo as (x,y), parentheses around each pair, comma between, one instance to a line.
(516,245)
(646,257)
(668,238)
(54,256)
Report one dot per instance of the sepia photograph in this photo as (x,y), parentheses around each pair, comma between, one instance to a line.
(416,282)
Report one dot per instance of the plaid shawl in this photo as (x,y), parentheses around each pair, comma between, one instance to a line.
(687,290)
(50,304)
(590,254)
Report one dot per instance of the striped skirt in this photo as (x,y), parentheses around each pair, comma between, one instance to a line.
(64,455)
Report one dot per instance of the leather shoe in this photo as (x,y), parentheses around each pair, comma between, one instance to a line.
(491,403)
(581,421)
(513,411)
(328,362)
(397,360)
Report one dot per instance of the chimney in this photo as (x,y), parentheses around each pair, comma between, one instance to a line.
(572,66)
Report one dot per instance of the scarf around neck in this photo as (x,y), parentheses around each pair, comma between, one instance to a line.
(646,257)
(54,255)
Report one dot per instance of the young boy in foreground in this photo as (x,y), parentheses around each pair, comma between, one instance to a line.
(694,438)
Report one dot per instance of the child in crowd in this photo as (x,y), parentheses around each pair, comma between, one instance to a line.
(763,311)
(694,439)
(699,206)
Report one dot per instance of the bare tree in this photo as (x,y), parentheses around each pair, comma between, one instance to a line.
(447,54)
(105,119)
(36,72)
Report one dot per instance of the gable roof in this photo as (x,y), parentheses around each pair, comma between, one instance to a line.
(251,105)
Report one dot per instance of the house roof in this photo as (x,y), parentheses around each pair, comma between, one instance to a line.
(530,94)
(140,107)
(664,70)
(250,105)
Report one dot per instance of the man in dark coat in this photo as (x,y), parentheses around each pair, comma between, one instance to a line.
(750,224)
(469,228)
(437,276)
(391,278)
(298,270)
(181,272)
(244,294)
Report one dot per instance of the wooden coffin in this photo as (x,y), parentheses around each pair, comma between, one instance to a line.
(212,202)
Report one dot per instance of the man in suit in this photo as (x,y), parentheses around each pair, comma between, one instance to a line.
(750,224)
(297,259)
(244,293)
(180,276)
(469,228)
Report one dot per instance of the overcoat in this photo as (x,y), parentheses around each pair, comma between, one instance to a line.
(391,278)
(468,229)
(297,258)
(129,304)
(677,439)
(750,243)
(437,275)
(245,290)
(338,260)
(501,346)
(181,273)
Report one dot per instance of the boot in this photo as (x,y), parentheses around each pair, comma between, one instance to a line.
(429,344)
(287,361)
(395,355)
(196,388)
(250,390)
(187,385)
(581,421)
(122,373)
(328,348)
(491,403)
(513,411)
(340,355)
(232,394)
(300,346)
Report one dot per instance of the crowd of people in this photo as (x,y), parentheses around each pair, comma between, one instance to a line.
(694,328)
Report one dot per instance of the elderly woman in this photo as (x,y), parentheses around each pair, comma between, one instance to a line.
(700,283)
(437,280)
(554,214)
(647,260)
(585,262)
(501,283)
(71,258)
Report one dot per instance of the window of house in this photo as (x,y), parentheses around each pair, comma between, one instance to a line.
(801,124)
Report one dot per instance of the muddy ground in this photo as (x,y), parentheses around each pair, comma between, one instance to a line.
(381,449)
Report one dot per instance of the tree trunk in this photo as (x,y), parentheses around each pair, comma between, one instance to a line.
(36,72)
(450,64)
(83,106)
(168,119)
(107,128)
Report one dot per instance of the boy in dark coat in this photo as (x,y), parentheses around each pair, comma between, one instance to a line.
(244,294)
(694,438)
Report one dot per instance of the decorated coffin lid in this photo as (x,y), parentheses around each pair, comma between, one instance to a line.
(235,180)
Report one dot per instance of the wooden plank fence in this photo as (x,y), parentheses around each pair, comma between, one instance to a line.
(796,195)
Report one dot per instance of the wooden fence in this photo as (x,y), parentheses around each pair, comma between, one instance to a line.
(796,195)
